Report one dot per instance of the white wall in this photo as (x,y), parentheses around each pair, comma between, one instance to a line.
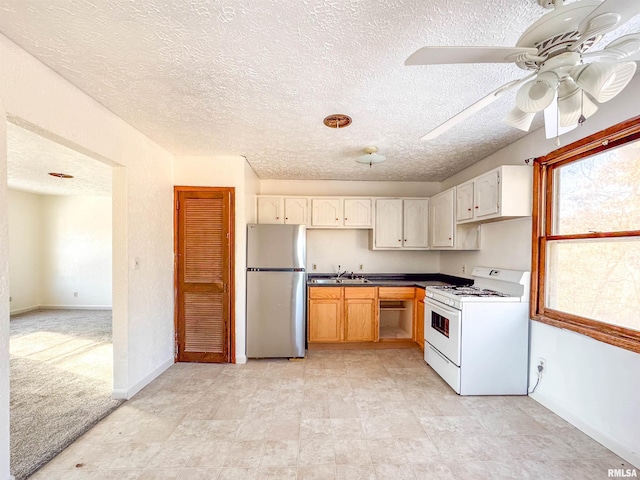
(37,98)
(593,385)
(4,301)
(227,171)
(349,248)
(25,255)
(347,188)
(75,243)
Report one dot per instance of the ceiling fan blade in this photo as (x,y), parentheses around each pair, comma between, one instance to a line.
(625,48)
(474,108)
(552,126)
(605,17)
(451,55)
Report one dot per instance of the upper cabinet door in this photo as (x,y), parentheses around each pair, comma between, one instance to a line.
(388,230)
(442,219)
(486,196)
(416,223)
(326,212)
(464,201)
(357,212)
(270,210)
(295,211)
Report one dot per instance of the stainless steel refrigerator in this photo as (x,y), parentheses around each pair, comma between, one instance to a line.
(276,291)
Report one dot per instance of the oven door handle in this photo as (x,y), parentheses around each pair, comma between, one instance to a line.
(440,307)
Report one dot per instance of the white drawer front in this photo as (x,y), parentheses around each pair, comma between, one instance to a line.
(449,372)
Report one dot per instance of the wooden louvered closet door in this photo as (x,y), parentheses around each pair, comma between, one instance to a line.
(204,265)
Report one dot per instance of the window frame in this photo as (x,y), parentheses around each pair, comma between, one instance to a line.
(542,223)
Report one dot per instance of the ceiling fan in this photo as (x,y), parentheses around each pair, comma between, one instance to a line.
(567,78)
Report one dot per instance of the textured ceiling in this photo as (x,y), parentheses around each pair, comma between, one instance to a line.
(257,78)
(31,157)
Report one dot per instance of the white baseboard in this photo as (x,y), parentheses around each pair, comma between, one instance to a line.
(120,394)
(599,436)
(241,359)
(18,311)
(75,307)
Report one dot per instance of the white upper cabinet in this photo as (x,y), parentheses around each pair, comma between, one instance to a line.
(416,223)
(270,210)
(295,211)
(500,194)
(326,212)
(442,217)
(388,229)
(357,212)
(485,194)
(464,201)
(401,223)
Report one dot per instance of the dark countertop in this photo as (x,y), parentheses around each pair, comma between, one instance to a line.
(395,280)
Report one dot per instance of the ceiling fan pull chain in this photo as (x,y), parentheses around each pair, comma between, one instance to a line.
(582,118)
(557,126)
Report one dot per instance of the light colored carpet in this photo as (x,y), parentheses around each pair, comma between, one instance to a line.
(61,382)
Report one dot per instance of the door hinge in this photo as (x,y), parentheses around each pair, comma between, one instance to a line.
(177,204)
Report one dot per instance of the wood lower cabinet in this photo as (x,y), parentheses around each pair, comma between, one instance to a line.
(327,320)
(325,314)
(419,318)
(342,314)
(365,314)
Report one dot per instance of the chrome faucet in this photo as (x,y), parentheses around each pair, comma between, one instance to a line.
(340,273)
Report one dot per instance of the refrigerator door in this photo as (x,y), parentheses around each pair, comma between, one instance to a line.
(276,246)
(275,314)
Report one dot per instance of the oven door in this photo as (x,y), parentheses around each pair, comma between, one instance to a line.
(442,329)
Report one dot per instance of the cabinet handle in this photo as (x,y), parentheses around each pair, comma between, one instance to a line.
(469,209)
(345,219)
(277,218)
(400,240)
(286,218)
(449,238)
(476,206)
(337,220)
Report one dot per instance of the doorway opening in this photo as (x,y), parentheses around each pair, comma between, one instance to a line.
(60,278)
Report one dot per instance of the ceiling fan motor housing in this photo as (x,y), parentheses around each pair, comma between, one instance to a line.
(555,31)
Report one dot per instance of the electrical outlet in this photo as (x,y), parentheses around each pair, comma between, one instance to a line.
(314,266)
(464,269)
(361,266)
(542,363)
(75,294)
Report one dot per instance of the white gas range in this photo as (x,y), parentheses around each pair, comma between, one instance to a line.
(477,337)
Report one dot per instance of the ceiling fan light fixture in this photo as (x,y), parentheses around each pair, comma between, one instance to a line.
(604,80)
(371,156)
(573,105)
(519,119)
(536,95)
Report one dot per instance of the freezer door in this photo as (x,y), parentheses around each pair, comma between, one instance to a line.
(276,246)
(276,316)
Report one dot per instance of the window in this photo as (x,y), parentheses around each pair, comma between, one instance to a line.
(586,237)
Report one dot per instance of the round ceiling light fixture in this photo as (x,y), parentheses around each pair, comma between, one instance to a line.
(371,156)
(337,120)
(60,175)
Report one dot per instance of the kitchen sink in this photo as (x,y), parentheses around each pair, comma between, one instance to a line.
(340,281)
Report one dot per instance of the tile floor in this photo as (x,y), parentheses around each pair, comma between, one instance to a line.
(358,414)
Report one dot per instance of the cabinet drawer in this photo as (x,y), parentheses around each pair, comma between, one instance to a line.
(325,292)
(396,292)
(359,292)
